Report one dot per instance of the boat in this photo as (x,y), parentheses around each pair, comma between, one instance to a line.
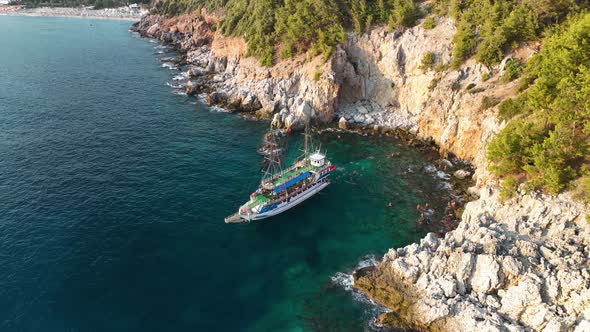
(282,189)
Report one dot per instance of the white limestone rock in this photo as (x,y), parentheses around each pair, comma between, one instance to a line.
(488,274)
(342,123)
(461,174)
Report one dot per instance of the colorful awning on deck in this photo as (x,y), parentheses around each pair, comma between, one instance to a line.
(292,182)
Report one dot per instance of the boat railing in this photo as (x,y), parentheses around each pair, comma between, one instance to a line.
(293,194)
(296,166)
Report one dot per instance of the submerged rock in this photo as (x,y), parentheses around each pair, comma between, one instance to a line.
(236,101)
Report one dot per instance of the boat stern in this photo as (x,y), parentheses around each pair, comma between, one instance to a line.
(234,219)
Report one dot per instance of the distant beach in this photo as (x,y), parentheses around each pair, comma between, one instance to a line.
(108,13)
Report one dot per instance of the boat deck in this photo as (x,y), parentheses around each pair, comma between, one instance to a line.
(260,199)
(234,218)
(285,177)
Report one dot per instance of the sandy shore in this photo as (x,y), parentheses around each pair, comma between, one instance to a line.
(110,14)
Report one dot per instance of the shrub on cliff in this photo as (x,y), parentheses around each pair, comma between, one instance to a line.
(512,72)
(549,145)
(429,23)
(309,24)
(404,13)
(490,29)
(583,190)
(511,107)
(428,61)
(296,26)
(489,102)
(361,15)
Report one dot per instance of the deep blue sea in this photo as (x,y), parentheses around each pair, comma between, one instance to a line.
(113,192)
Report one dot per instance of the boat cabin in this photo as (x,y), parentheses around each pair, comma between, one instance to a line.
(317,159)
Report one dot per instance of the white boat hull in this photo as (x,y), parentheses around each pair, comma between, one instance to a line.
(287,205)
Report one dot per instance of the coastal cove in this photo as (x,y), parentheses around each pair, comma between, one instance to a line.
(114,191)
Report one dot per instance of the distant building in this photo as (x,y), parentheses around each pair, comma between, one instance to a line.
(134,8)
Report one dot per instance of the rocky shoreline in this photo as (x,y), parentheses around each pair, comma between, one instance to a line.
(516,266)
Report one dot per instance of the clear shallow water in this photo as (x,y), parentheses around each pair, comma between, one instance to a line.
(113,193)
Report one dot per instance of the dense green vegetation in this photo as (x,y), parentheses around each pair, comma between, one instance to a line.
(513,71)
(285,28)
(486,29)
(489,29)
(546,145)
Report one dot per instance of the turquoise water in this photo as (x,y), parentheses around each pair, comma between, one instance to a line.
(113,192)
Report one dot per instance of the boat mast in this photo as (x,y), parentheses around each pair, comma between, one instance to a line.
(306,134)
(273,158)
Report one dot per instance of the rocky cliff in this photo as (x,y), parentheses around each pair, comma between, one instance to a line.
(293,91)
(516,266)
(390,87)
(374,79)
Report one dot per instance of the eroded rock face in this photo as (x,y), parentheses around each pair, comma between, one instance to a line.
(382,82)
(519,266)
(303,90)
(374,80)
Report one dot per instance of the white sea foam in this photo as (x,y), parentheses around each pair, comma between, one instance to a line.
(170,66)
(430,169)
(175,86)
(440,175)
(369,260)
(346,281)
(180,77)
(179,92)
(343,280)
(218,109)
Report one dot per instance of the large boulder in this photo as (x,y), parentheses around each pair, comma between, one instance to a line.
(520,296)
(487,276)
(342,123)
(153,30)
